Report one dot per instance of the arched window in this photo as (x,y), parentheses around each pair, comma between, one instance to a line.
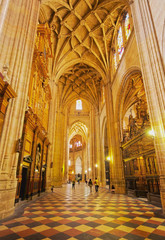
(127,26)
(121,37)
(78,105)
(120,43)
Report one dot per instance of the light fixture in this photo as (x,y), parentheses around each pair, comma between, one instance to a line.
(89,169)
(72,172)
(108,158)
(96,165)
(85,171)
(151,132)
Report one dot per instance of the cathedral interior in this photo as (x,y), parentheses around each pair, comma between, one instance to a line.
(82,96)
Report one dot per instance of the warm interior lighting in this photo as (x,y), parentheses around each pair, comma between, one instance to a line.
(96,165)
(89,169)
(69,163)
(85,171)
(108,158)
(151,132)
(72,172)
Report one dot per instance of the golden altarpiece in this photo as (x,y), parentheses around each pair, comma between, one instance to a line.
(140,164)
(31,171)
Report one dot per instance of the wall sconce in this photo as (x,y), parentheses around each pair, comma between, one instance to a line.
(151,132)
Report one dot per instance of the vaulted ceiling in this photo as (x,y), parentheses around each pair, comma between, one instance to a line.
(83,32)
(80,81)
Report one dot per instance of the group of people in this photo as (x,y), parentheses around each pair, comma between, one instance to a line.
(90,184)
(74,182)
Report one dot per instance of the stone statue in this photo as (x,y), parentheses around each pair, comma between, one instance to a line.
(38,158)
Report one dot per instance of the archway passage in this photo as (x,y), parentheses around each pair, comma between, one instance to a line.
(76,161)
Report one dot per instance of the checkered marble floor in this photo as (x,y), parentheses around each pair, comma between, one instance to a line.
(80,215)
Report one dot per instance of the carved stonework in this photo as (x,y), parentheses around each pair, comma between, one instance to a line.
(136,117)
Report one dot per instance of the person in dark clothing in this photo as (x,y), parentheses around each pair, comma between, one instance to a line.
(96,185)
(73,184)
(90,184)
(113,189)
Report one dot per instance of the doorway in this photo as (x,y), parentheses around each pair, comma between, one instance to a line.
(24,182)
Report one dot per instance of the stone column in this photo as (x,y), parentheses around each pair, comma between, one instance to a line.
(98,153)
(51,134)
(87,159)
(74,163)
(83,160)
(66,172)
(66,147)
(3,13)
(58,150)
(116,163)
(92,157)
(18,29)
(154,79)
(102,163)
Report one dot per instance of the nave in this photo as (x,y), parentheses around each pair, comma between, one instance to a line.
(77,214)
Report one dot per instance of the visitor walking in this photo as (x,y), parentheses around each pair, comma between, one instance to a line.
(96,185)
(90,184)
(73,184)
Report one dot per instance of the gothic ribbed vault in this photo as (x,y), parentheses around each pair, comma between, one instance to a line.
(83,32)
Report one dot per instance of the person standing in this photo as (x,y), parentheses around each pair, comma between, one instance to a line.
(96,185)
(90,184)
(113,189)
(73,184)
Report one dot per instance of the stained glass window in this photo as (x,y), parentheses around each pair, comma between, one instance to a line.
(115,60)
(120,43)
(78,105)
(127,26)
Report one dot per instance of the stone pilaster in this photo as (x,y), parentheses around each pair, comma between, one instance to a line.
(116,163)
(51,134)
(97,142)
(83,160)
(102,162)
(66,148)
(17,36)
(154,79)
(58,150)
